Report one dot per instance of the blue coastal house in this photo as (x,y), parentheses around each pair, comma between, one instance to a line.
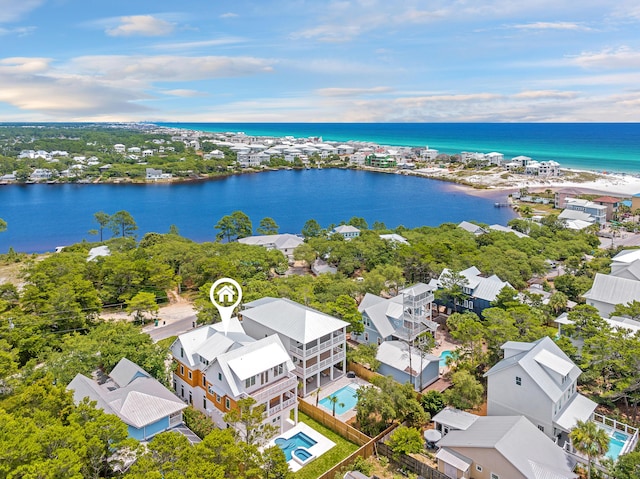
(129,392)
(402,317)
(480,290)
(407,365)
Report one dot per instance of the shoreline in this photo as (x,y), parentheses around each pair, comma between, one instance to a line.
(619,185)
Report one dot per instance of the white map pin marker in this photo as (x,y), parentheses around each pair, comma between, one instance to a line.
(230,289)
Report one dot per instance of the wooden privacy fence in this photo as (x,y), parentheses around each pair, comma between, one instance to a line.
(366,451)
(411,463)
(351,434)
(362,372)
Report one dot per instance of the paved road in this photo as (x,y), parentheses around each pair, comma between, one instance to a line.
(173,320)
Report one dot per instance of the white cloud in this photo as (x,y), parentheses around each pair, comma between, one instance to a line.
(184,93)
(19,31)
(168,67)
(621,58)
(12,10)
(552,26)
(544,94)
(351,92)
(215,42)
(229,15)
(144,25)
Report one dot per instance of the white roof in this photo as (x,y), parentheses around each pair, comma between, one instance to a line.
(579,408)
(612,290)
(518,441)
(281,241)
(482,288)
(346,229)
(259,359)
(542,369)
(455,418)
(293,320)
(98,251)
(471,228)
(395,238)
(454,458)
(627,256)
(507,229)
(396,354)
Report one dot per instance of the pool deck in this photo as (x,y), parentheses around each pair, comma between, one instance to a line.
(322,443)
(332,388)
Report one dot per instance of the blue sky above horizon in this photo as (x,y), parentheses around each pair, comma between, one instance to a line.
(320,61)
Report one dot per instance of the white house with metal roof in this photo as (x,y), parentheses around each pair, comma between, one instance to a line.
(347,231)
(214,370)
(452,419)
(502,447)
(129,392)
(538,380)
(316,342)
(286,243)
(626,264)
(406,364)
(608,291)
(403,317)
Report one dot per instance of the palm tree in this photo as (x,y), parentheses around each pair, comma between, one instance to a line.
(589,439)
(334,401)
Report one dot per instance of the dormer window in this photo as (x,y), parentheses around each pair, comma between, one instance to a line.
(250,382)
(518,381)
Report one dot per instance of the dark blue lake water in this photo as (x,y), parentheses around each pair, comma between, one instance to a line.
(41,217)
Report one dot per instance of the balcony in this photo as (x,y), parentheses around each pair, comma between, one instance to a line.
(326,344)
(288,383)
(283,405)
(319,366)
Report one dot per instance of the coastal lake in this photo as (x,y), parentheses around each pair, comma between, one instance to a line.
(41,217)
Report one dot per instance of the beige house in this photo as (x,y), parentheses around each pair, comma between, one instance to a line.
(502,447)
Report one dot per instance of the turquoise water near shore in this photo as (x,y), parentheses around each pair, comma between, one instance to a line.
(41,216)
(612,147)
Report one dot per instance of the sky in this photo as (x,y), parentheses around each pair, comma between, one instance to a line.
(320,61)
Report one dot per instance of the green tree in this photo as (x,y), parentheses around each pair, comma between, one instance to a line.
(122,223)
(268,227)
(630,310)
(627,466)
(433,402)
(358,222)
(405,440)
(466,391)
(589,439)
(558,302)
(247,420)
(452,288)
(311,229)
(305,252)
(103,220)
(141,303)
(364,354)
(236,225)
(3,225)
(335,402)
(346,308)
(274,464)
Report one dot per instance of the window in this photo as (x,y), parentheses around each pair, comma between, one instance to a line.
(227,403)
(379,341)
(181,352)
(518,380)
(219,376)
(204,403)
(478,468)
(218,398)
(470,304)
(181,370)
(190,375)
(190,398)
(182,391)
(250,382)
(494,476)
(366,336)
(278,370)
(541,427)
(204,381)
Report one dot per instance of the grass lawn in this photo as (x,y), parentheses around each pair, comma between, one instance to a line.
(333,456)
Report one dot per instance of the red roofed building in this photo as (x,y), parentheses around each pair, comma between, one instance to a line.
(611,203)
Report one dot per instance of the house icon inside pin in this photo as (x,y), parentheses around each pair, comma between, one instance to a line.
(226,294)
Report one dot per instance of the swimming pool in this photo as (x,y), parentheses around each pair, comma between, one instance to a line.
(347,399)
(616,444)
(443,357)
(294,442)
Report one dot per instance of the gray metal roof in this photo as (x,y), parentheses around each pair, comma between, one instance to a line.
(141,402)
(455,418)
(612,290)
(471,228)
(379,314)
(545,364)
(579,408)
(396,354)
(520,443)
(126,371)
(293,320)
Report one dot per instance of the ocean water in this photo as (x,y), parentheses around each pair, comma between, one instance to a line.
(41,217)
(612,147)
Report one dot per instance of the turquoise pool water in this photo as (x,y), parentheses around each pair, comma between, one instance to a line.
(443,357)
(616,443)
(294,442)
(347,400)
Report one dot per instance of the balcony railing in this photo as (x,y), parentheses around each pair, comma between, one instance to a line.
(283,405)
(268,392)
(305,353)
